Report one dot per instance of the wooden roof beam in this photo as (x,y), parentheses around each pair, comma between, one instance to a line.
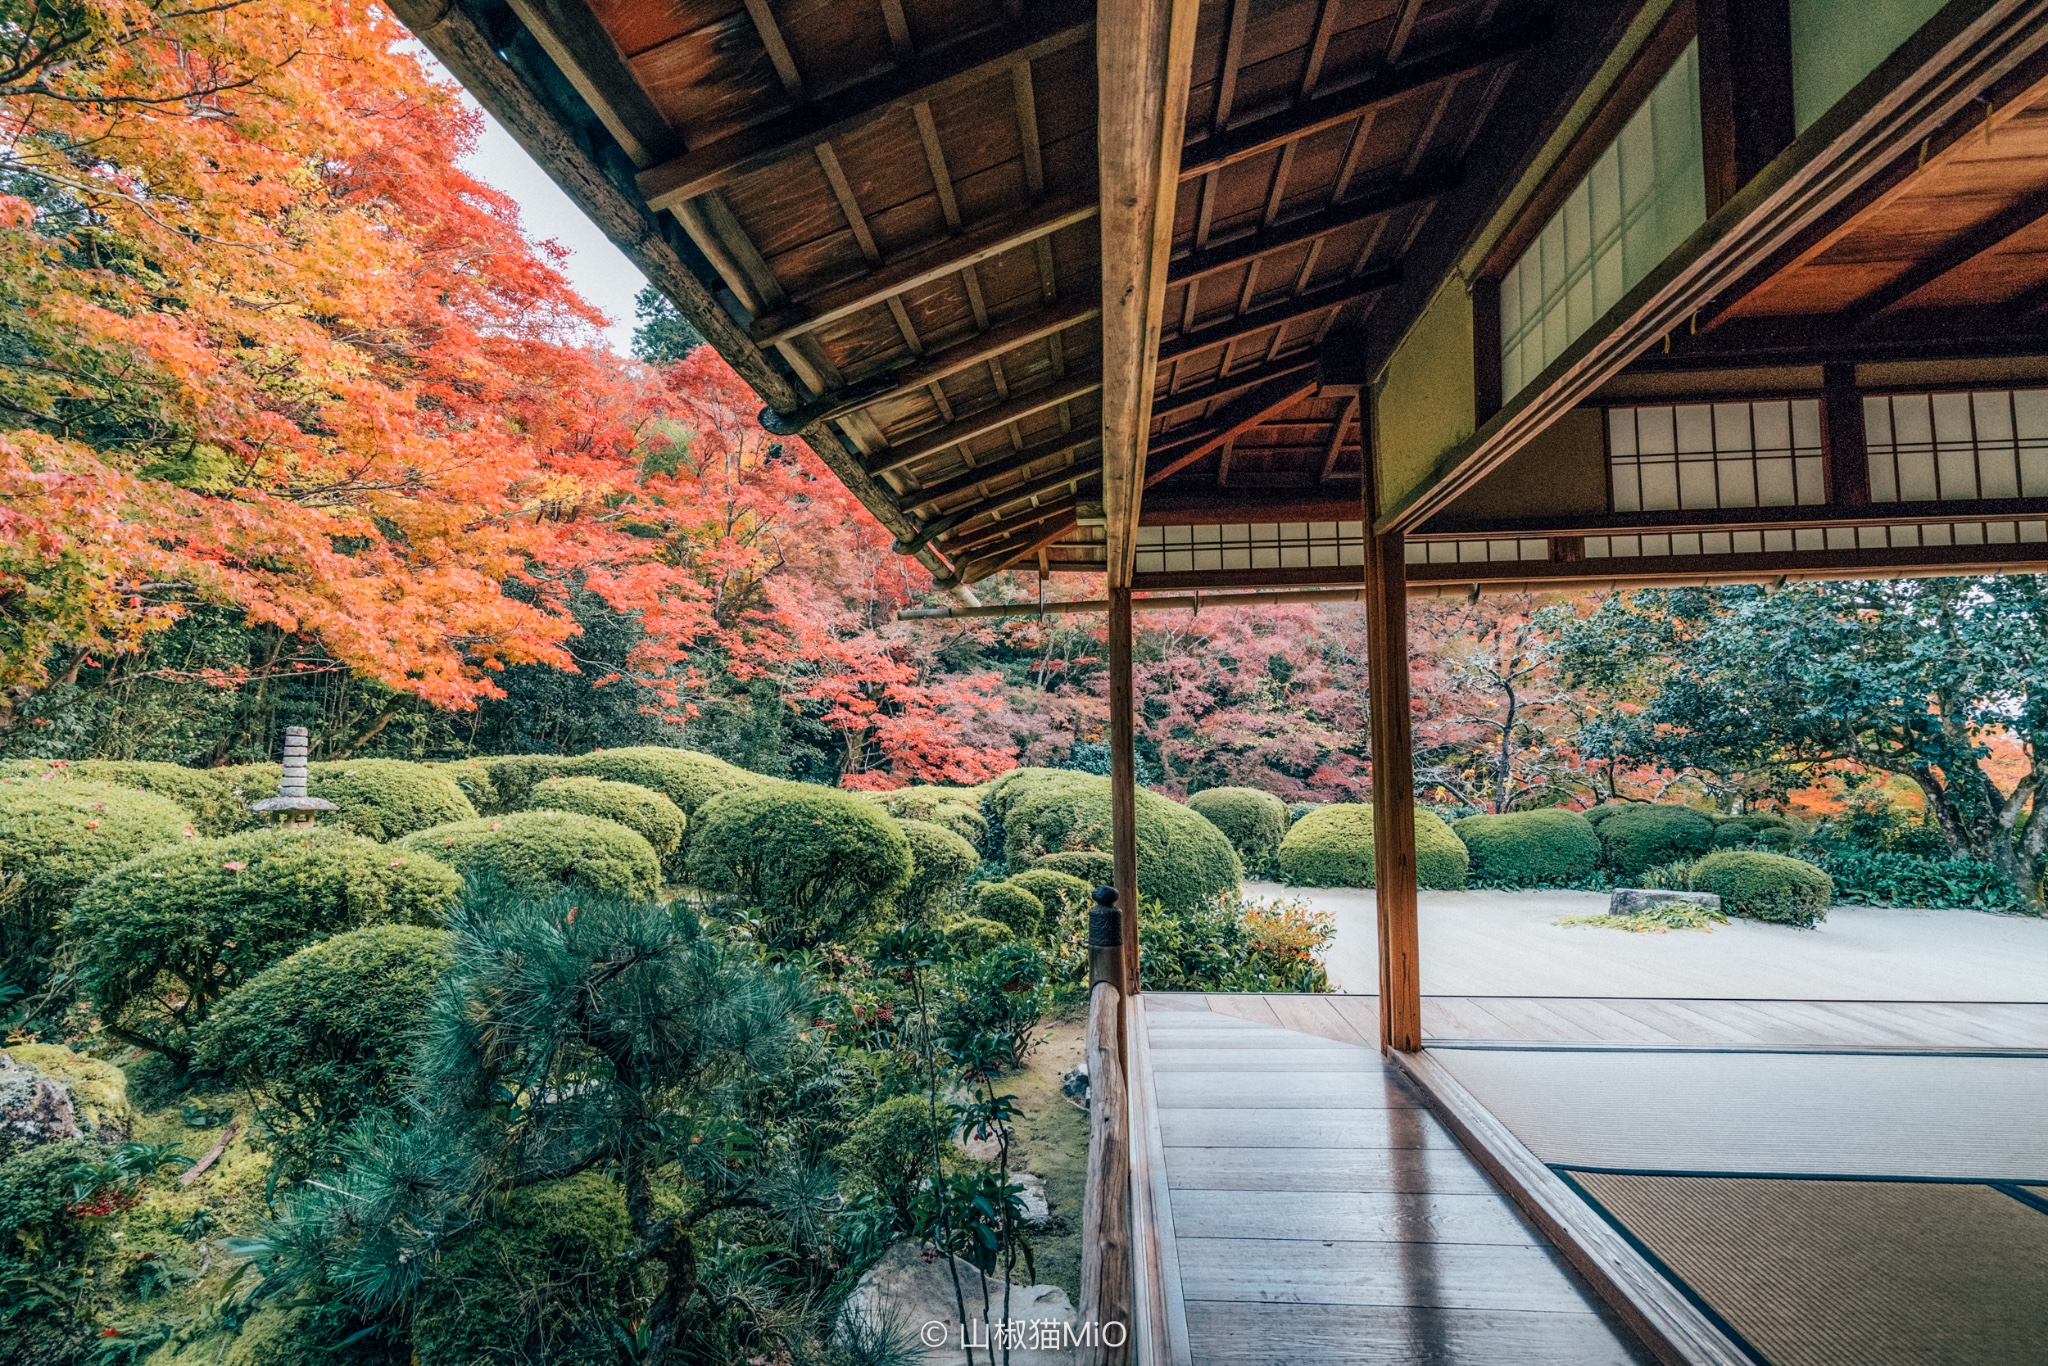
(967,62)
(1240,415)
(1276,315)
(1053,482)
(945,257)
(1008,553)
(1143,57)
(1171,405)
(934,494)
(1251,246)
(983,422)
(1987,236)
(1335,105)
(969,540)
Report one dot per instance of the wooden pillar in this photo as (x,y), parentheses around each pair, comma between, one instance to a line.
(1123,779)
(1393,790)
(1842,437)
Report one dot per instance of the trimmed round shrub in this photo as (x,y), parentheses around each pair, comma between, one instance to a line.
(1008,904)
(473,776)
(325,1035)
(892,1147)
(685,777)
(1055,890)
(1253,821)
(1093,867)
(161,939)
(819,864)
(379,799)
(1332,847)
(958,809)
(1754,830)
(513,777)
(202,792)
(1548,848)
(539,1283)
(55,837)
(1639,836)
(658,820)
(527,852)
(1766,887)
(939,864)
(1182,859)
(971,936)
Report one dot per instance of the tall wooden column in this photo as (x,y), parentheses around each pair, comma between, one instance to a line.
(1393,789)
(1123,778)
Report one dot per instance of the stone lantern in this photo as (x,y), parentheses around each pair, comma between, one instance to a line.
(292,807)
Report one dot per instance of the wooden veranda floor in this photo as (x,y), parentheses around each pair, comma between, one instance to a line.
(1310,1202)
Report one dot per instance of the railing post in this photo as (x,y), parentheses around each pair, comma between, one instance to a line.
(1123,781)
(1106,1243)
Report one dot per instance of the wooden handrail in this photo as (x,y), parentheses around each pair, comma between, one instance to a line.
(1106,1295)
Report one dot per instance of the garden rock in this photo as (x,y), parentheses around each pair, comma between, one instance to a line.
(1036,1210)
(1074,1086)
(34,1109)
(1637,900)
(911,1289)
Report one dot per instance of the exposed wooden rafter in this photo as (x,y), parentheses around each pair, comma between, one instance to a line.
(932,495)
(1287,311)
(1240,415)
(1251,246)
(982,422)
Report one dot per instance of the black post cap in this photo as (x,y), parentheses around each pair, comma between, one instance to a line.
(1105,921)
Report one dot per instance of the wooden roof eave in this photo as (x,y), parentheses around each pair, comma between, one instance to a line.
(473,57)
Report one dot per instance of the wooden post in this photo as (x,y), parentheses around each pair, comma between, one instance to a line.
(1106,1243)
(1123,780)
(1843,438)
(1745,90)
(1393,789)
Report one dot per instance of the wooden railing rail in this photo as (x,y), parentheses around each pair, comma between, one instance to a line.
(1106,1275)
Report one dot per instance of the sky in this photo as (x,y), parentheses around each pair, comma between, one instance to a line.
(598,270)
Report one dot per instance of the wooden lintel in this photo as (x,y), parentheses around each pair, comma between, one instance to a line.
(981,423)
(1797,516)
(953,486)
(1337,104)
(1206,507)
(1239,415)
(973,59)
(923,266)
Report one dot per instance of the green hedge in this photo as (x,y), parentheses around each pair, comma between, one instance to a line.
(1008,904)
(1755,830)
(539,1283)
(658,820)
(1182,859)
(1638,836)
(55,837)
(1548,848)
(939,864)
(203,792)
(971,937)
(817,863)
(380,799)
(956,808)
(1883,877)
(326,1035)
(1053,887)
(1253,821)
(1091,866)
(539,851)
(685,777)
(209,915)
(1767,887)
(891,1147)
(1332,847)
(473,776)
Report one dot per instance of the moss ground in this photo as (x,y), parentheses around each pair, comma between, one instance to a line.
(1052,1141)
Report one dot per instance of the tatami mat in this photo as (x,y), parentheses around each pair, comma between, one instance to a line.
(1769,1113)
(1849,1273)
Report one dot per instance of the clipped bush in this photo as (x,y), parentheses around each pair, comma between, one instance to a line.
(1182,859)
(55,837)
(203,792)
(956,808)
(999,996)
(940,861)
(161,939)
(685,777)
(1332,847)
(1883,877)
(658,820)
(892,1147)
(1253,821)
(971,937)
(1755,830)
(325,1035)
(473,776)
(1008,904)
(539,851)
(379,799)
(513,777)
(1548,848)
(819,864)
(1093,867)
(1641,835)
(1055,890)
(538,1283)
(1766,887)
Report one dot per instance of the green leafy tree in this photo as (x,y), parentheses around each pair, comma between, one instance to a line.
(1909,676)
(663,335)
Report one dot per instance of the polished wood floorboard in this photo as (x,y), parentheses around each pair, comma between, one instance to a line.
(1319,1213)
